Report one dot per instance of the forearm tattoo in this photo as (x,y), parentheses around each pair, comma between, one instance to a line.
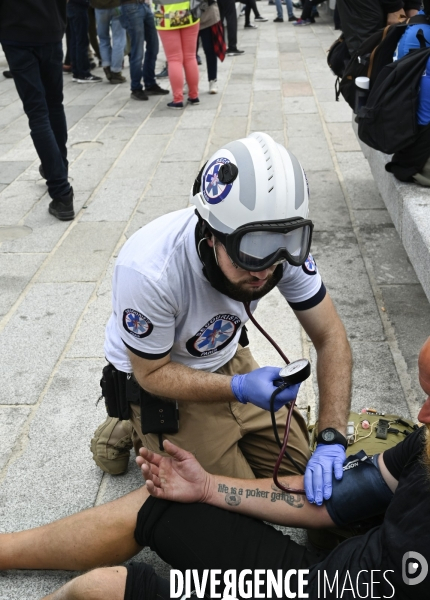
(234,495)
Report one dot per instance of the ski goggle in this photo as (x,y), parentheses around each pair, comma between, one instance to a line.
(258,246)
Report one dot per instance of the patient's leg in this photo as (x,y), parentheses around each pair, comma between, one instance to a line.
(101,584)
(95,537)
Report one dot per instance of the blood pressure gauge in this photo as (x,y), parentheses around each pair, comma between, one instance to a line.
(296,372)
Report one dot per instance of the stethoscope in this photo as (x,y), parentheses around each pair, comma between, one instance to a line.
(292,373)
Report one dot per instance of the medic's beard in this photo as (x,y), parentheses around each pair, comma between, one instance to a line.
(426,453)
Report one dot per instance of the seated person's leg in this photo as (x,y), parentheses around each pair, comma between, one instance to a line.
(101,584)
(96,537)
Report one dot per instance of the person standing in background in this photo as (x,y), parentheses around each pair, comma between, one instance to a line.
(32,42)
(178,27)
(208,19)
(112,52)
(138,20)
(77,17)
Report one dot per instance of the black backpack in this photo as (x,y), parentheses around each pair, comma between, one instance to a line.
(372,56)
(388,122)
(337,58)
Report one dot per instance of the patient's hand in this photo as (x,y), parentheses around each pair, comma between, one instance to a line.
(180,478)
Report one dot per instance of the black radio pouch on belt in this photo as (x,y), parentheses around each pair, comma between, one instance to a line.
(156,415)
(114,386)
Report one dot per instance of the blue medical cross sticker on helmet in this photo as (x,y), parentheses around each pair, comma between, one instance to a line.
(310,266)
(213,190)
(215,335)
(136,323)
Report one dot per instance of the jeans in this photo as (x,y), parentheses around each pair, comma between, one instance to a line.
(38,75)
(112,55)
(289,4)
(139,22)
(211,57)
(77,17)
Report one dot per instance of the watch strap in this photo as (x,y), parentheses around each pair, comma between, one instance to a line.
(337,437)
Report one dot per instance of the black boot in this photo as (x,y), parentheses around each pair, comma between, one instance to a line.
(62,207)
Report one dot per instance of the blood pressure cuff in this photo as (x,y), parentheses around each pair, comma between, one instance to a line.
(361,493)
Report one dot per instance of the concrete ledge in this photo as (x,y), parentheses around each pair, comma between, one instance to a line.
(409,208)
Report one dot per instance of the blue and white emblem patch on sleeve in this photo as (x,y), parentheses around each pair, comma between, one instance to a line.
(310,266)
(136,323)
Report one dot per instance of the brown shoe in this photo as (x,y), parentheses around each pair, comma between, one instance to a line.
(117,78)
(111,446)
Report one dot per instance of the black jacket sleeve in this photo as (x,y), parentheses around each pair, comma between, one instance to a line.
(396,458)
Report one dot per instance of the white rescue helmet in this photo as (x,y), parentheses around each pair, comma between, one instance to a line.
(253,195)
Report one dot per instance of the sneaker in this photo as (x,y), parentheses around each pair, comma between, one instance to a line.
(156,90)
(176,105)
(278,20)
(62,207)
(213,87)
(193,101)
(297,5)
(7,74)
(139,95)
(261,19)
(162,73)
(292,19)
(89,79)
(234,52)
(250,26)
(111,446)
(302,22)
(108,73)
(116,78)
(271,3)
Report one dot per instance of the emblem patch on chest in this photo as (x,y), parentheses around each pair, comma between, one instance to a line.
(214,336)
(136,323)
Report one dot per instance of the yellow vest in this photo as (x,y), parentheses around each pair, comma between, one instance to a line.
(174,16)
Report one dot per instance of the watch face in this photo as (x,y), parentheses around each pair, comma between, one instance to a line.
(327,436)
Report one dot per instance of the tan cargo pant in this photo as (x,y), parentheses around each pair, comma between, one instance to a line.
(232,439)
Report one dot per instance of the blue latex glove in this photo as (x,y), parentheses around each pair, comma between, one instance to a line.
(319,470)
(257,387)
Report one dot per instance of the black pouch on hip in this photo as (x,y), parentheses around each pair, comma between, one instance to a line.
(114,384)
(156,415)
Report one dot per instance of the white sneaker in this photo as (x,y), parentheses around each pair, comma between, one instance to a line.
(213,87)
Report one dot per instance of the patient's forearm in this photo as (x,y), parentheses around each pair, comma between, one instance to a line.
(260,498)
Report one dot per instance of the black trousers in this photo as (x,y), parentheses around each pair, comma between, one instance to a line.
(77,17)
(198,536)
(208,47)
(38,75)
(307,8)
(227,9)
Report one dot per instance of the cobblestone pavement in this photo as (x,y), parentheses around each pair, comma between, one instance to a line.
(129,163)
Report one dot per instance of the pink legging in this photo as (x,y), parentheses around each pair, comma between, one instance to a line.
(180,50)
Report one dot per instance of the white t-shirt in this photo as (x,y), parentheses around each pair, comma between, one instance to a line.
(162,303)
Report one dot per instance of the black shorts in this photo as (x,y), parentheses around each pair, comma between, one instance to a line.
(198,536)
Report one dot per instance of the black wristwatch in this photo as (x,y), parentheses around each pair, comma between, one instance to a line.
(331,436)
